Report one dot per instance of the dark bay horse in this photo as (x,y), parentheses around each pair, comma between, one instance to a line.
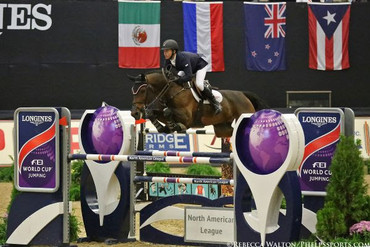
(174,105)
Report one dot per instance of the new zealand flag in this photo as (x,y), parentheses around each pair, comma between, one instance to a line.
(265,30)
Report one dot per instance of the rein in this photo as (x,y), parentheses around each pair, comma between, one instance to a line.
(162,92)
(160,95)
(178,92)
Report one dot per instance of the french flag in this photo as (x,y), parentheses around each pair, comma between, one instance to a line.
(203,32)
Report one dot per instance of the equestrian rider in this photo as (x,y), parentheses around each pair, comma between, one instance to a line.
(190,64)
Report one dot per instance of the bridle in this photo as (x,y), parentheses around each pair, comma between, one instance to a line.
(148,106)
(136,91)
(159,97)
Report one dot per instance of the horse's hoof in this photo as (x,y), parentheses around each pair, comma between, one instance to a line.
(181,127)
(165,130)
(177,128)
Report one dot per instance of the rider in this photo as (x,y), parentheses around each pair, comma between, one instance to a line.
(190,64)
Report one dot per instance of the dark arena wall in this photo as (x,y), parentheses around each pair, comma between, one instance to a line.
(74,61)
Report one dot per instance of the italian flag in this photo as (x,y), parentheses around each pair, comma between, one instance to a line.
(138,34)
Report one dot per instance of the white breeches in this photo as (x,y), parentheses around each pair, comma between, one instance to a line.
(199,79)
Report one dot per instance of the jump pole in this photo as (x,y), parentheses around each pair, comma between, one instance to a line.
(184,153)
(184,180)
(188,131)
(124,158)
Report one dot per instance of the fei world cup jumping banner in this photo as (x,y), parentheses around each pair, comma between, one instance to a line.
(37,149)
(322,128)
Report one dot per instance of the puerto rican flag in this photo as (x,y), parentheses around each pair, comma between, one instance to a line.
(203,32)
(328,26)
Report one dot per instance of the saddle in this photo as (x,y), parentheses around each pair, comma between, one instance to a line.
(169,74)
(197,93)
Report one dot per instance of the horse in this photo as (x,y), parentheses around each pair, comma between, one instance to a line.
(157,97)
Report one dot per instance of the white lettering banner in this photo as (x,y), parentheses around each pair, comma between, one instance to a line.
(209,225)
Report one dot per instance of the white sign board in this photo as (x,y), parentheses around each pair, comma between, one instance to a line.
(209,225)
(362,132)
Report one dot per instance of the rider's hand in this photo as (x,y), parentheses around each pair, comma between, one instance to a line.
(175,79)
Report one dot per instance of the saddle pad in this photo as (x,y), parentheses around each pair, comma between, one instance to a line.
(196,96)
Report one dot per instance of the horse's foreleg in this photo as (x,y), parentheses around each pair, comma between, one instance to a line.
(160,127)
(171,123)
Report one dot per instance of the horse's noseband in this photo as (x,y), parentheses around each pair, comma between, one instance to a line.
(137,87)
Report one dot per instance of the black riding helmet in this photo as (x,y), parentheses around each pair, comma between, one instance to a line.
(170,44)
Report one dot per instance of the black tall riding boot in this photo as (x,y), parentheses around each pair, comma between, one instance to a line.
(207,93)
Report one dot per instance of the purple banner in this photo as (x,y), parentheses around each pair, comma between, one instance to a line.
(322,131)
(37,164)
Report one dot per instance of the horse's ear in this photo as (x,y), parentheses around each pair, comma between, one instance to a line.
(132,78)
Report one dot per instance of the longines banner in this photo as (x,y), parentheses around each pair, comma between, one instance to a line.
(37,149)
(49,32)
(322,128)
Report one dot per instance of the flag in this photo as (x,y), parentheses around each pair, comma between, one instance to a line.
(138,34)
(265,32)
(203,32)
(328,28)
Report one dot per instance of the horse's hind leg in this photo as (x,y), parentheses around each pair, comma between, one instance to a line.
(223,130)
(171,123)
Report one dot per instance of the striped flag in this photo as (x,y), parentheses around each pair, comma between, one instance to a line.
(138,34)
(328,26)
(203,32)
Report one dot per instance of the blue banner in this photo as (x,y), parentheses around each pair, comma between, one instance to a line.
(322,132)
(37,155)
(165,142)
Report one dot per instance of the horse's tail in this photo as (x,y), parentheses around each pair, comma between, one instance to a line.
(257,102)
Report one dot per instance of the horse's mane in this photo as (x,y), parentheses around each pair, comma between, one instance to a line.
(158,78)
(157,71)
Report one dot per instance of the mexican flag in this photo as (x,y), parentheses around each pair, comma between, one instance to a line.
(138,34)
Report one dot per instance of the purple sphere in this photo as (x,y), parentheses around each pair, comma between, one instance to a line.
(263,142)
(106,131)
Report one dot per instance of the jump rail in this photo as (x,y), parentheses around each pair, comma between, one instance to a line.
(188,131)
(106,157)
(184,180)
(183,153)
